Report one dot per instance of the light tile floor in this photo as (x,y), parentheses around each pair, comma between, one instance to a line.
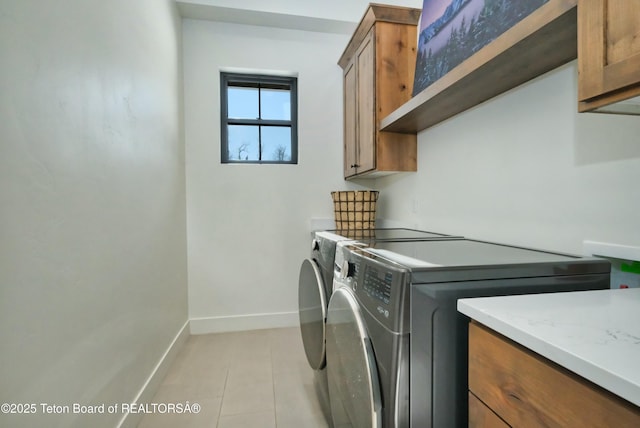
(245,379)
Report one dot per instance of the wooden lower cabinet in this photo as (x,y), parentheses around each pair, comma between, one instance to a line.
(480,416)
(510,385)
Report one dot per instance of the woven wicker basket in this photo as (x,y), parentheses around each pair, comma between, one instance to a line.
(355,209)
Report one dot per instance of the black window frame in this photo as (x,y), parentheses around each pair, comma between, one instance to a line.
(257,81)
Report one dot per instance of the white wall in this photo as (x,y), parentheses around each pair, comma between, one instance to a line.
(525,168)
(248,225)
(92,202)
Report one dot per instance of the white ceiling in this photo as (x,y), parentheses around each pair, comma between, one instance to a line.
(331,16)
(267,19)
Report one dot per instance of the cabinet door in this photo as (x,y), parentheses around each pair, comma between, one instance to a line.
(366,107)
(350,115)
(608,51)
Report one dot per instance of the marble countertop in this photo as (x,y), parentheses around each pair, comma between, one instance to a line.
(595,334)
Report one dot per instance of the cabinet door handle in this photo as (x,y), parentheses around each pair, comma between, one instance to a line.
(355,165)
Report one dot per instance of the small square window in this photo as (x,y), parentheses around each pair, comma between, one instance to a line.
(259,118)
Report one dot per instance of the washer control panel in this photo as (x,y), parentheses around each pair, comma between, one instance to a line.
(380,286)
(377,284)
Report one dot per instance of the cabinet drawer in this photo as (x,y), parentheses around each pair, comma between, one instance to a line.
(527,390)
(480,416)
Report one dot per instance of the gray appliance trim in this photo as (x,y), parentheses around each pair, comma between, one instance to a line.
(312,305)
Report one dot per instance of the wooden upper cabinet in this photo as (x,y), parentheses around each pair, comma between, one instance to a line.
(378,65)
(350,136)
(609,55)
(365,95)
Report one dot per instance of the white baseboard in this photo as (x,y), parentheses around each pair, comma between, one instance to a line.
(244,322)
(152,384)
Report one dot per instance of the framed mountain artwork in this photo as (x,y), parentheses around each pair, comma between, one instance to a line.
(450,31)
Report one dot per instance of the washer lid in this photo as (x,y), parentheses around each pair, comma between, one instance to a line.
(312,306)
(354,386)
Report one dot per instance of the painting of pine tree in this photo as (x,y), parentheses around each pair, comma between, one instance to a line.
(453,30)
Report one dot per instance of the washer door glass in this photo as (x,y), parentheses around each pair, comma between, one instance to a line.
(354,389)
(312,305)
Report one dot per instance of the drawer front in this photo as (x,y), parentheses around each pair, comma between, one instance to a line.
(525,389)
(480,416)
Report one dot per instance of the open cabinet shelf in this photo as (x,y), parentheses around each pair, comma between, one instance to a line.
(544,40)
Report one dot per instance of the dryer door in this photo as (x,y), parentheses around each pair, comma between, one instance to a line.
(312,306)
(354,388)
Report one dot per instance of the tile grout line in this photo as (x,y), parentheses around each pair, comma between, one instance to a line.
(224,388)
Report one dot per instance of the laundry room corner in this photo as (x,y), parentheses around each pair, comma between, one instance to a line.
(248,223)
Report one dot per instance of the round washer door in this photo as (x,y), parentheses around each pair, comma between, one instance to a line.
(354,388)
(312,308)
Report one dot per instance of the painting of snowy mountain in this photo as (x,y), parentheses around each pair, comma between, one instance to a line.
(453,30)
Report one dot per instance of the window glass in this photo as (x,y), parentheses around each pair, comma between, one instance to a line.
(275,104)
(276,143)
(243,143)
(243,103)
